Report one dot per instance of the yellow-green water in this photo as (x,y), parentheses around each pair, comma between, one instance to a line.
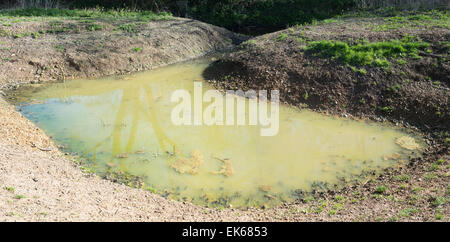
(124,124)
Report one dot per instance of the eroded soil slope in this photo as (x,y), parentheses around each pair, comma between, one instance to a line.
(319,67)
(411,89)
(38,51)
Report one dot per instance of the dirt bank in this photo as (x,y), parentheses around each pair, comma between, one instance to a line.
(39,183)
(46,50)
(415,92)
(410,92)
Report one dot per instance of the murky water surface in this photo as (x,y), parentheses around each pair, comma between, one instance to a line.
(123,126)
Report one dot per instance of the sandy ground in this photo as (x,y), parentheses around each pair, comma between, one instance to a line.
(39,183)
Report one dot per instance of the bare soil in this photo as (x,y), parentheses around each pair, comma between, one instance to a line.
(39,183)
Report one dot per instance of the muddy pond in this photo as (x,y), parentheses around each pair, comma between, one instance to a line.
(122,126)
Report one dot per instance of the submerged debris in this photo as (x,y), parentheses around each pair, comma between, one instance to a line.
(190,166)
(226,169)
(265,188)
(407,143)
(394,156)
(111,165)
(122,156)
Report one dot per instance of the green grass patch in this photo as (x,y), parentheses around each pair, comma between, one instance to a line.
(430,176)
(59,48)
(408,212)
(380,190)
(437,201)
(19,196)
(365,53)
(248,43)
(9,189)
(402,177)
(386,109)
(95,27)
(361,71)
(435,18)
(137,49)
(282,36)
(129,28)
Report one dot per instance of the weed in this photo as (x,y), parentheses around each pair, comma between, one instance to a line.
(35,35)
(376,196)
(152,190)
(331,20)
(5,33)
(396,87)
(402,177)
(338,206)
(386,109)
(417,189)
(436,201)
(430,176)
(393,219)
(87,13)
(18,36)
(95,27)
(305,96)
(137,49)
(248,43)
(19,196)
(361,71)
(408,212)
(59,48)
(433,18)
(308,199)
(339,198)
(10,189)
(440,161)
(380,190)
(433,167)
(87,169)
(401,61)
(129,28)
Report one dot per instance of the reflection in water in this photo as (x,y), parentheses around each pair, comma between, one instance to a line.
(123,124)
